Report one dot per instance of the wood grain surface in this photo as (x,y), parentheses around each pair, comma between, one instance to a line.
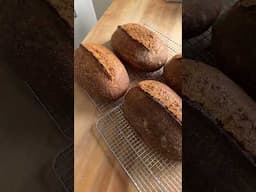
(95,168)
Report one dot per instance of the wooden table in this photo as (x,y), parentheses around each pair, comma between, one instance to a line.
(95,169)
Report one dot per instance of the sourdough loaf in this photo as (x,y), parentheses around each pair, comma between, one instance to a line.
(222,99)
(154,111)
(234,44)
(172,73)
(139,47)
(198,16)
(97,68)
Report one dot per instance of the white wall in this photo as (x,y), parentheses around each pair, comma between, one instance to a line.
(85,19)
(100,6)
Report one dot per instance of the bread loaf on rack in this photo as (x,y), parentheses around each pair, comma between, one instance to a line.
(198,16)
(172,73)
(98,69)
(234,44)
(139,47)
(154,111)
(222,99)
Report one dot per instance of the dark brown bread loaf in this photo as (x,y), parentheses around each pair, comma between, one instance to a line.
(99,69)
(154,111)
(198,16)
(172,71)
(222,99)
(65,9)
(139,47)
(234,44)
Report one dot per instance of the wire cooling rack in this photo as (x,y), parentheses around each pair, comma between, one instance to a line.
(103,105)
(149,171)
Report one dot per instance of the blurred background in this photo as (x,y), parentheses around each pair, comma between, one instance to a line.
(87,12)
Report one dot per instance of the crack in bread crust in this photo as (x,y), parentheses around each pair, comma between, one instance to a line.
(142,35)
(103,56)
(164,96)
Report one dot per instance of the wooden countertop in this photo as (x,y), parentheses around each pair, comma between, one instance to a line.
(95,169)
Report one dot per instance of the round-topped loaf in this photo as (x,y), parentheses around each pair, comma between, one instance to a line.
(172,73)
(223,100)
(98,69)
(139,47)
(155,112)
(198,16)
(233,43)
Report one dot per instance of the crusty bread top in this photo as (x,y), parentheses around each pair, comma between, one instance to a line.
(105,58)
(143,35)
(165,96)
(222,99)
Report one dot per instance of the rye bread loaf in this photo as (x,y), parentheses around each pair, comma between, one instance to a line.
(233,43)
(139,47)
(198,16)
(98,69)
(154,111)
(222,99)
(65,9)
(172,71)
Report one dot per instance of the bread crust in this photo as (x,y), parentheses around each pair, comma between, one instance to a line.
(139,47)
(172,73)
(154,111)
(233,43)
(97,68)
(198,16)
(223,100)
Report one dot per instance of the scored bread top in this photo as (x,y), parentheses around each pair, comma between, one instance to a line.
(105,58)
(163,95)
(143,35)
